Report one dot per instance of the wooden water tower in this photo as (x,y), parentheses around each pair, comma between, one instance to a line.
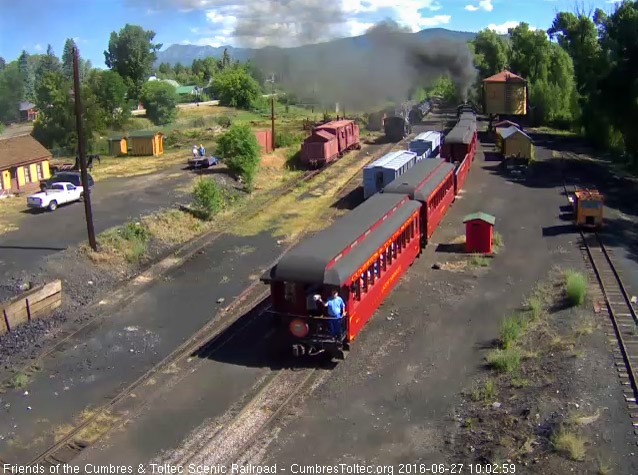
(505,95)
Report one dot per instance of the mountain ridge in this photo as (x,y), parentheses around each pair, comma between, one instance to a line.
(185,54)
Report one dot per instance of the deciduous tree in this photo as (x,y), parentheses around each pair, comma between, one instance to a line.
(235,88)
(131,54)
(239,149)
(160,101)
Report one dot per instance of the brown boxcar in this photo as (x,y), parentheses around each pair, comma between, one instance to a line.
(318,149)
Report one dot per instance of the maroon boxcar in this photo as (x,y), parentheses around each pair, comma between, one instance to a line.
(362,255)
(460,141)
(431,182)
(345,134)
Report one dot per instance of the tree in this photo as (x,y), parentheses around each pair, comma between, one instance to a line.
(55,119)
(530,55)
(224,62)
(205,69)
(490,53)
(235,88)
(160,101)
(67,58)
(49,62)
(619,86)
(239,149)
(165,69)
(29,76)
(110,91)
(131,54)
(3,63)
(11,92)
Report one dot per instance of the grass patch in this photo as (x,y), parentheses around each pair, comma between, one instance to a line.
(511,330)
(174,226)
(519,382)
(504,360)
(568,443)
(578,419)
(497,240)
(535,306)
(477,260)
(485,393)
(575,287)
(128,242)
(18,380)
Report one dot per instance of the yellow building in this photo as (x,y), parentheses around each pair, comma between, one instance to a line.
(513,142)
(505,93)
(117,145)
(146,143)
(23,163)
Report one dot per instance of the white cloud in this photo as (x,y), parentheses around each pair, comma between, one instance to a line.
(503,28)
(434,20)
(482,5)
(38,47)
(357,28)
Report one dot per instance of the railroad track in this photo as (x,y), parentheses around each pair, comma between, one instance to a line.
(205,342)
(622,315)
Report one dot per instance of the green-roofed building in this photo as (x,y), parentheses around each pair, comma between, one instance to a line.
(478,232)
(117,145)
(146,142)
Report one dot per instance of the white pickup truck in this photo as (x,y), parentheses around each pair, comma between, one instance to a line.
(59,193)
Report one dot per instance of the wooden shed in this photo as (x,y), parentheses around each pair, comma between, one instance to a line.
(513,142)
(117,145)
(264,139)
(147,143)
(505,93)
(478,232)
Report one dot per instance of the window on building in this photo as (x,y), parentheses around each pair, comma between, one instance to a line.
(38,169)
(27,174)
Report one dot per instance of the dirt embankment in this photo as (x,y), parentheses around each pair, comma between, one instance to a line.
(547,401)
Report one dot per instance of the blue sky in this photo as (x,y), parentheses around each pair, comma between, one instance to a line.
(32,24)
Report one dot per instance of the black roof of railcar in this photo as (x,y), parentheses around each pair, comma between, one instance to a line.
(307,263)
(421,179)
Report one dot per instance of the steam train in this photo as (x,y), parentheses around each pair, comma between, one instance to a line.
(399,125)
(364,253)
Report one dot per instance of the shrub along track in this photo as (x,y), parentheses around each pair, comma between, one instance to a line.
(623,322)
(211,338)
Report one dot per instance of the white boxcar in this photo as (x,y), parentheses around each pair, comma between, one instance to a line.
(427,144)
(384,170)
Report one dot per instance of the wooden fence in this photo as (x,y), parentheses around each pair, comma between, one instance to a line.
(36,303)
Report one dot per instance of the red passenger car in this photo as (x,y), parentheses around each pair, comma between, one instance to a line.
(362,255)
(431,182)
(460,174)
(329,141)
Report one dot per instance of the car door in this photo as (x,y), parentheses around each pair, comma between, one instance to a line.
(71,193)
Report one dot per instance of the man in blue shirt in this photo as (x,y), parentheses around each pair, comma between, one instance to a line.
(336,310)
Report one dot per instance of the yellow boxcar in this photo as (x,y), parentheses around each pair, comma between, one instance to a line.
(588,205)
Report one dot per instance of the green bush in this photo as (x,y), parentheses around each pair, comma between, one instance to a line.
(236,88)
(223,121)
(504,361)
(575,287)
(239,149)
(286,139)
(511,329)
(535,305)
(208,198)
(135,232)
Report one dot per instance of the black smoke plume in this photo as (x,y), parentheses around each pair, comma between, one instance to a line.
(385,64)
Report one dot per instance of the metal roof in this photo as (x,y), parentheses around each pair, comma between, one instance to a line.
(393,160)
(144,133)
(488,218)
(428,136)
(419,182)
(354,236)
(461,133)
(505,76)
(334,124)
(512,130)
(324,134)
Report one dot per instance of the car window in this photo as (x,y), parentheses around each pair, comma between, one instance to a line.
(70,187)
(57,187)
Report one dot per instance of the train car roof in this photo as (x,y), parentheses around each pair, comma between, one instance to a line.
(334,123)
(461,133)
(393,160)
(426,136)
(333,254)
(421,179)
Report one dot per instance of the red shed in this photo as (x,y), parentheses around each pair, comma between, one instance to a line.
(478,232)
(264,139)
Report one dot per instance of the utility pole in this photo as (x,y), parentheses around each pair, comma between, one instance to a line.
(272,120)
(81,151)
